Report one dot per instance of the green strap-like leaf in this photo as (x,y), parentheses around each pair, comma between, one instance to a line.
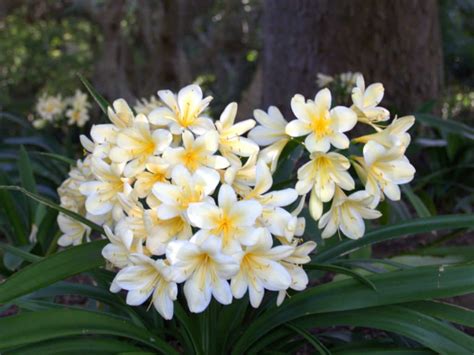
(420,225)
(32,327)
(434,334)
(52,269)
(103,104)
(75,345)
(342,270)
(310,338)
(20,253)
(55,206)
(408,285)
(446,126)
(446,311)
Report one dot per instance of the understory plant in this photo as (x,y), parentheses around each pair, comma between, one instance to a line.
(211,235)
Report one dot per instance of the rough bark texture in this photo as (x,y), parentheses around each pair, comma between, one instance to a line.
(394,42)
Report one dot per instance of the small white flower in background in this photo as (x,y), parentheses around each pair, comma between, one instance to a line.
(322,125)
(347,214)
(195,201)
(324,80)
(50,108)
(366,102)
(183,111)
(205,269)
(78,113)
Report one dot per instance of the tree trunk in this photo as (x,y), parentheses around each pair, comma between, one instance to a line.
(397,43)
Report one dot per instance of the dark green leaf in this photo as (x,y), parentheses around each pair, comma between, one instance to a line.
(447,126)
(32,327)
(421,225)
(52,269)
(103,104)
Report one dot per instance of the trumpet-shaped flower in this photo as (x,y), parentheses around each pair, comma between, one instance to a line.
(323,125)
(147,277)
(392,135)
(232,221)
(205,269)
(271,133)
(260,270)
(292,264)
(120,114)
(120,247)
(101,194)
(366,102)
(321,175)
(242,177)
(231,143)
(197,152)
(347,213)
(382,170)
(136,144)
(183,111)
(157,170)
(161,231)
(185,188)
(73,231)
(79,112)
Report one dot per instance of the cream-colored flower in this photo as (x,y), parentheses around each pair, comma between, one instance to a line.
(394,134)
(157,170)
(50,107)
(162,231)
(347,213)
(73,231)
(78,114)
(232,221)
(121,245)
(136,144)
(183,111)
(231,143)
(205,269)
(147,277)
(292,264)
(196,153)
(273,216)
(241,178)
(145,106)
(101,193)
(321,175)
(185,188)
(323,80)
(271,133)
(120,114)
(323,125)
(260,269)
(383,169)
(366,102)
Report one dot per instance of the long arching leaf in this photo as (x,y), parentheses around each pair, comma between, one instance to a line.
(52,269)
(32,327)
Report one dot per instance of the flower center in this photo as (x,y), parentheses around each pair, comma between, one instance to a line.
(320,124)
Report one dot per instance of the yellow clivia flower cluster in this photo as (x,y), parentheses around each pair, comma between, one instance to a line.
(52,109)
(185,199)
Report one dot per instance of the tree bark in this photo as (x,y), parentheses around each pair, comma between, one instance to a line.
(397,43)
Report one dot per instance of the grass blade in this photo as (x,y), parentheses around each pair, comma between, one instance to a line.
(103,104)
